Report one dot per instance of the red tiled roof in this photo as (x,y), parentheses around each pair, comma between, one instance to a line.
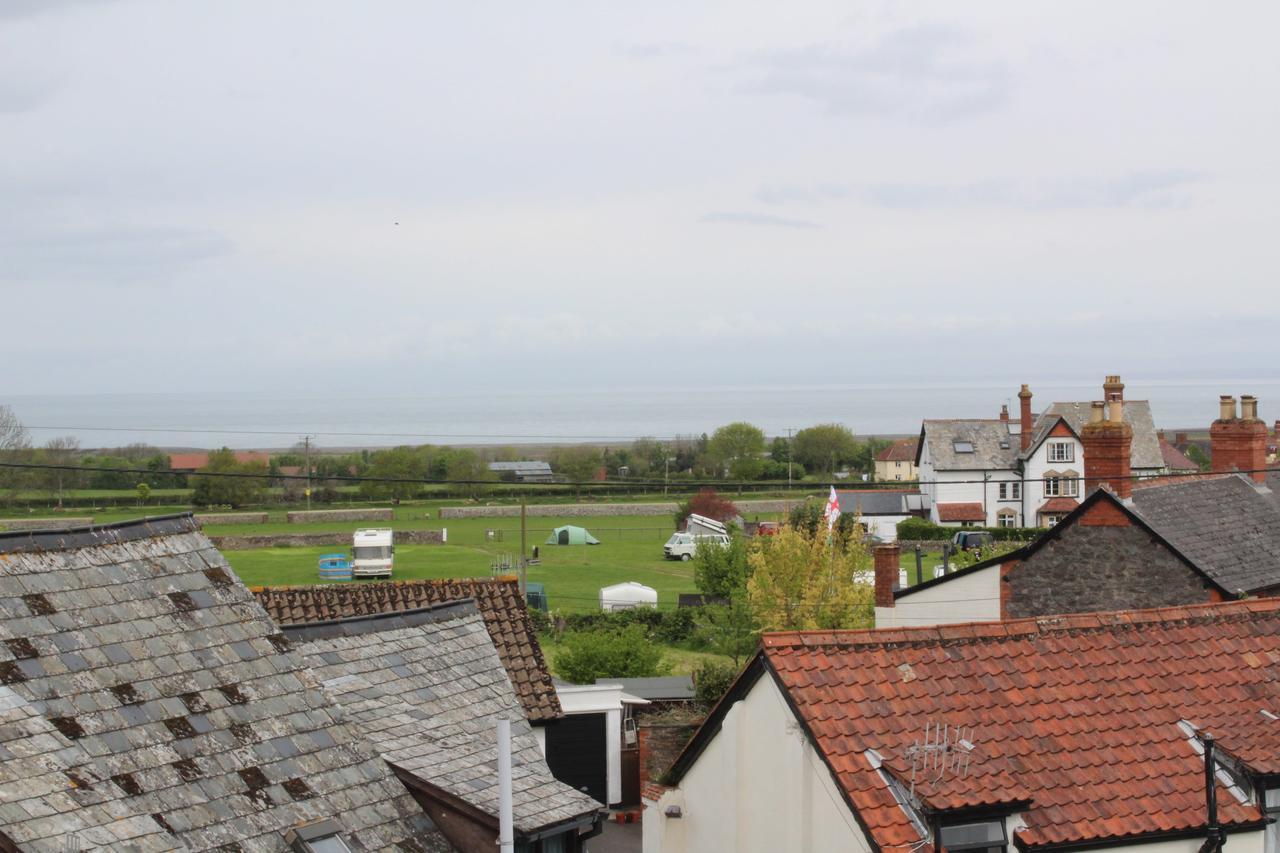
(1175,459)
(961,512)
(498,600)
(902,450)
(1077,714)
(199,461)
(1059,505)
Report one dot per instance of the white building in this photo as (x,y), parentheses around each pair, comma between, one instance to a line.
(821,744)
(1028,472)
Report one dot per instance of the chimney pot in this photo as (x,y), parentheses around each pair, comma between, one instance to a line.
(1112,389)
(1095,413)
(1248,407)
(888,564)
(1004,413)
(1116,410)
(1108,444)
(1239,443)
(1226,407)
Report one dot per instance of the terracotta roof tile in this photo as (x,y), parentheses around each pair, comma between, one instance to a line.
(902,450)
(1059,505)
(1078,714)
(498,600)
(961,512)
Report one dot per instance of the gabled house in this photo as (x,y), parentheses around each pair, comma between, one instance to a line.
(880,510)
(427,689)
(1132,543)
(1021,473)
(147,703)
(1051,734)
(187,463)
(897,462)
(526,471)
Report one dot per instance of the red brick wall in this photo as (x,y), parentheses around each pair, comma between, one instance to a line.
(1104,514)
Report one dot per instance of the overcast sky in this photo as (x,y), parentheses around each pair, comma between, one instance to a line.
(404,195)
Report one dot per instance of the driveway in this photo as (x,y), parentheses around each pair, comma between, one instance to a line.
(616,838)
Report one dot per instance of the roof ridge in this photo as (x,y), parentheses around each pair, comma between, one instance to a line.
(498,579)
(350,626)
(86,535)
(1034,625)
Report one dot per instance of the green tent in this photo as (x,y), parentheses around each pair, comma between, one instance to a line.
(570,535)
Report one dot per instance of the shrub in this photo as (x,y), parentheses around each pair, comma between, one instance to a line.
(628,653)
(711,680)
(922,530)
(708,504)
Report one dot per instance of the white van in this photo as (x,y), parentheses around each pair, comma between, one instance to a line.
(682,546)
(372,551)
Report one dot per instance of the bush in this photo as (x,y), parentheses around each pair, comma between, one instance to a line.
(711,680)
(627,653)
(922,530)
(671,626)
(541,621)
(707,504)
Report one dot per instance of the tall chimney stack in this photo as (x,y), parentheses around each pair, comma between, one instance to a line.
(1112,389)
(1024,398)
(1239,443)
(1108,443)
(888,565)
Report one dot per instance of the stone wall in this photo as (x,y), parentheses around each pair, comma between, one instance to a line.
(1092,568)
(602,510)
(309,515)
(15,524)
(310,540)
(203,518)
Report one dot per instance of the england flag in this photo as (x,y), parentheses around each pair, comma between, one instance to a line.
(832,513)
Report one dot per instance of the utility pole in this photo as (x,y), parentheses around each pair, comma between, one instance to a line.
(789,454)
(524,564)
(306,443)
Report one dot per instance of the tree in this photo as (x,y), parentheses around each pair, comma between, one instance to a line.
(1198,456)
(825,448)
(234,491)
(864,460)
(729,629)
(144,494)
(402,463)
(60,452)
(708,504)
(15,447)
(805,582)
(626,653)
(737,448)
(719,570)
(780,450)
(467,465)
(809,518)
(579,463)
(711,680)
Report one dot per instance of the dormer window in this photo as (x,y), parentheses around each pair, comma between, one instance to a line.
(962,446)
(1062,451)
(983,836)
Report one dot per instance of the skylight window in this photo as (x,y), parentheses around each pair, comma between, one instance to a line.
(321,837)
(987,835)
(962,446)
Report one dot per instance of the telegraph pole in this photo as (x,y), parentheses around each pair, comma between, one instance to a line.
(306,443)
(789,454)
(524,564)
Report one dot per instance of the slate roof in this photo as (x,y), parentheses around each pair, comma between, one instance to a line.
(1079,715)
(427,687)
(902,450)
(1145,450)
(875,502)
(1175,460)
(528,466)
(504,612)
(662,688)
(1228,526)
(993,445)
(148,703)
(961,512)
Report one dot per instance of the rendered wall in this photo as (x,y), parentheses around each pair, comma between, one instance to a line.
(968,598)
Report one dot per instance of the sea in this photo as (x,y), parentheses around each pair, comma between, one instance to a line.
(555,415)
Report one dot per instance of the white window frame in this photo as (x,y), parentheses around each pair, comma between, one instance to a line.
(1006,519)
(1061,451)
(1015,491)
(1052,486)
(1070,487)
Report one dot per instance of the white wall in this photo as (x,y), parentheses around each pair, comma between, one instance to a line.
(758,787)
(974,597)
(885,527)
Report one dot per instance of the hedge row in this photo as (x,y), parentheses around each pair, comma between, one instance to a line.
(664,626)
(926,531)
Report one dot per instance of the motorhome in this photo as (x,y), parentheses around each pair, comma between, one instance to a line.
(372,549)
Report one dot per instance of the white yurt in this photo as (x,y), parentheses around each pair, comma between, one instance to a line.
(628,595)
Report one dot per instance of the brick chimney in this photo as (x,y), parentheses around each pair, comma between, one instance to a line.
(1112,389)
(1108,443)
(1239,443)
(1024,399)
(1004,416)
(888,565)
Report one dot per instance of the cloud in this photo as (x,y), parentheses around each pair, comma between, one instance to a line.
(922,73)
(118,253)
(653,50)
(761,219)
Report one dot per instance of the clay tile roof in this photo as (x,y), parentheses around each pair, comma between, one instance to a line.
(498,599)
(199,461)
(961,512)
(1079,715)
(1058,505)
(1175,460)
(902,450)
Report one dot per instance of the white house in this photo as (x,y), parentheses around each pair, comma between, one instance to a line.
(1072,733)
(1027,472)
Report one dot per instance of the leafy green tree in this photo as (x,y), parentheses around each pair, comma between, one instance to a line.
(711,680)
(395,463)
(808,517)
(1198,456)
(780,450)
(737,448)
(729,629)
(233,491)
(864,460)
(578,463)
(628,653)
(15,447)
(144,494)
(60,452)
(722,570)
(466,464)
(805,582)
(825,448)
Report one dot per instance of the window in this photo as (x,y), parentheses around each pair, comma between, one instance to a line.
(1052,518)
(1070,486)
(1010,491)
(962,446)
(1062,451)
(983,836)
(1004,491)
(897,465)
(1006,519)
(1052,486)
(320,837)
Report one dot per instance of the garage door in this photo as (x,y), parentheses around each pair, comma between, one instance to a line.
(576,753)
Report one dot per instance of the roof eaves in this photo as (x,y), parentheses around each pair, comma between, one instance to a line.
(711,725)
(65,539)
(353,626)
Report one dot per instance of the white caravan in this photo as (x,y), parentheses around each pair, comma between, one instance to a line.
(371,552)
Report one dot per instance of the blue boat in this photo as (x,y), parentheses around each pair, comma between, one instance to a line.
(335,567)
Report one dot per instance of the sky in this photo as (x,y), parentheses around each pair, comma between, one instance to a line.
(398,195)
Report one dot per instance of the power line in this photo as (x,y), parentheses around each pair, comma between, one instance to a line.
(237,431)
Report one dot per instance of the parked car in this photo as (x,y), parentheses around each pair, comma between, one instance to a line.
(972,540)
(682,546)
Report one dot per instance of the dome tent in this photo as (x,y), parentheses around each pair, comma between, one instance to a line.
(570,535)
